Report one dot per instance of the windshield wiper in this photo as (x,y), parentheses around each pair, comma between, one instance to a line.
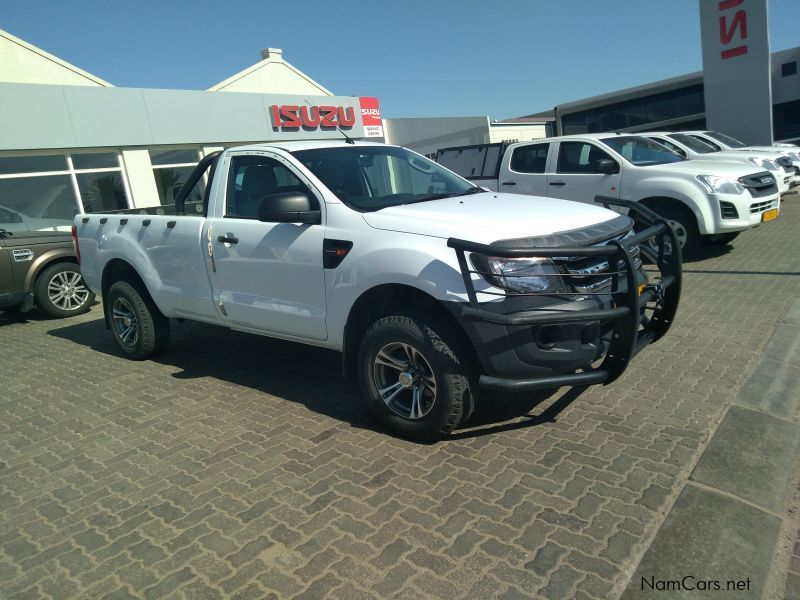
(472,190)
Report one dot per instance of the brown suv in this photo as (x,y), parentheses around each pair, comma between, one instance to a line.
(40,267)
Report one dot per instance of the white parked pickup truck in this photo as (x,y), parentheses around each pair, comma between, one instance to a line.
(700,199)
(784,155)
(693,148)
(430,286)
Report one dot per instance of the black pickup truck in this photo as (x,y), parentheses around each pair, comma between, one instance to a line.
(41,268)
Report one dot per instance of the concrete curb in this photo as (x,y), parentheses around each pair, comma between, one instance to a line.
(721,533)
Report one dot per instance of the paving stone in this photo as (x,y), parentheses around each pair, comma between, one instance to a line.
(752,455)
(121,459)
(700,524)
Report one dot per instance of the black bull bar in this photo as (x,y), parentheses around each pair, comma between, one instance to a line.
(632,329)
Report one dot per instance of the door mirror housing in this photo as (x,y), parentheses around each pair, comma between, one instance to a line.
(288,207)
(606,166)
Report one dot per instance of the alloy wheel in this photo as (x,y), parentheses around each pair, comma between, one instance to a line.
(126,326)
(404,380)
(67,291)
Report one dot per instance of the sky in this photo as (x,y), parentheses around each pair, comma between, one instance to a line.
(502,58)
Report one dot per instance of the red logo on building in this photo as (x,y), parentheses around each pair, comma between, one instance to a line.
(727,29)
(370,111)
(293,116)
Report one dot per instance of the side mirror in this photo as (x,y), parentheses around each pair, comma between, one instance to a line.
(288,207)
(606,166)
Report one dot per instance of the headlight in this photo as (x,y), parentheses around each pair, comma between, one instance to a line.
(720,185)
(522,275)
(764,163)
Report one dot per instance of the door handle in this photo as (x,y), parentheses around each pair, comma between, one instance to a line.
(558,183)
(509,183)
(228,240)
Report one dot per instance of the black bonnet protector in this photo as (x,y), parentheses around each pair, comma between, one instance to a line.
(586,236)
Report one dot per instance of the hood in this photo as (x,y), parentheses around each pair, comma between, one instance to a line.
(485,218)
(729,169)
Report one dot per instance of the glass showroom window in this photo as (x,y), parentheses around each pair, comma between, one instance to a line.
(171,168)
(44,192)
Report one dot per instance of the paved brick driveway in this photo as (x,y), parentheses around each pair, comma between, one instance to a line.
(237,466)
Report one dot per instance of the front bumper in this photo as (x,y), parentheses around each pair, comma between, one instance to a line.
(738,212)
(555,345)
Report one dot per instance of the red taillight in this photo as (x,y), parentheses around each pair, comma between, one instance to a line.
(75,246)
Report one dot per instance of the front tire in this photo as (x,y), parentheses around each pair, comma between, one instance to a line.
(61,292)
(721,239)
(414,377)
(138,327)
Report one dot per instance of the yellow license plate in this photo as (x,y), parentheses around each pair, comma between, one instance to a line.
(769,215)
(641,288)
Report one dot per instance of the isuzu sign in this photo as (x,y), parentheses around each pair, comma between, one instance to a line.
(371,117)
(293,116)
(736,68)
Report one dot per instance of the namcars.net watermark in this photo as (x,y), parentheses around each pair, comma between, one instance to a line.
(691,583)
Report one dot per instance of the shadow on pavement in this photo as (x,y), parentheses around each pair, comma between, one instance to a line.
(299,373)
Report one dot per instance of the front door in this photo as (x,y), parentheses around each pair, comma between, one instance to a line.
(268,276)
(575,176)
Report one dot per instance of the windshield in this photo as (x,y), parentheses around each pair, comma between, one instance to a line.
(726,139)
(369,178)
(693,143)
(641,151)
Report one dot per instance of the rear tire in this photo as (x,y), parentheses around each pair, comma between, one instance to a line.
(61,292)
(414,378)
(138,327)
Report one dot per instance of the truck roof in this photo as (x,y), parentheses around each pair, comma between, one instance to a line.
(304,145)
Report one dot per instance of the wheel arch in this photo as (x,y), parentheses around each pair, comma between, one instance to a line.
(652,202)
(382,300)
(47,259)
(118,269)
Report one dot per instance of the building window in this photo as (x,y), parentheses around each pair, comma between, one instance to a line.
(786,120)
(654,108)
(44,192)
(789,68)
(171,168)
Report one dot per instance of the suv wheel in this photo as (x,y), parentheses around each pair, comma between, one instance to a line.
(721,239)
(413,378)
(139,328)
(61,292)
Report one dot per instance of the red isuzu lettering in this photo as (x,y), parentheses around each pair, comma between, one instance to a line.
(292,116)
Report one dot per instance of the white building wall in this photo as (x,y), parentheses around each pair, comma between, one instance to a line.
(272,75)
(141,183)
(517,132)
(426,135)
(21,62)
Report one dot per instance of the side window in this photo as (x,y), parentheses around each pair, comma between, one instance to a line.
(253,177)
(579,157)
(671,146)
(530,159)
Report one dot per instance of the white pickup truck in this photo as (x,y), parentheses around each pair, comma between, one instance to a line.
(692,148)
(784,155)
(702,200)
(430,286)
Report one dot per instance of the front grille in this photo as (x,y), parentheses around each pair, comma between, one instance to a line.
(585,274)
(760,207)
(728,210)
(759,184)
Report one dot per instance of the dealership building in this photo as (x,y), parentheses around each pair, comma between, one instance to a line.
(678,104)
(72,142)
